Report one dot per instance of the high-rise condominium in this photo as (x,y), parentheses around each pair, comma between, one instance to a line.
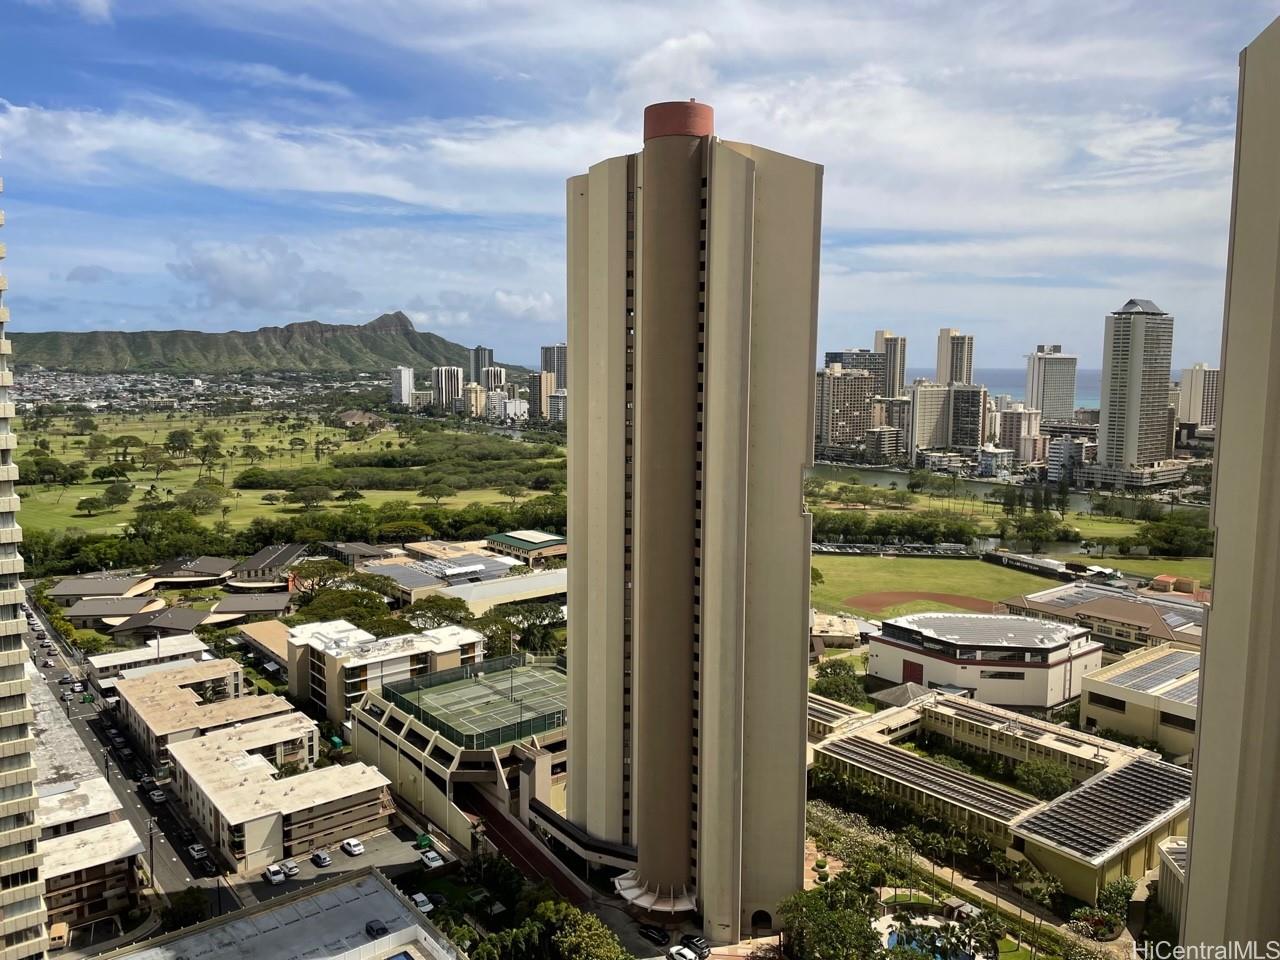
(492,378)
(555,359)
(1234,869)
(947,417)
(693,278)
(1133,431)
(868,360)
(21,889)
(541,385)
(446,384)
(894,349)
(478,359)
(843,409)
(955,357)
(402,385)
(1051,382)
(1199,395)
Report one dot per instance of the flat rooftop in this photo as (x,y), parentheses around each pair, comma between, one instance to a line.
(154,649)
(166,703)
(89,848)
(1107,813)
(542,583)
(254,603)
(933,779)
(322,922)
(1169,615)
(112,606)
(986,629)
(344,641)
(271,635)
(527,539)
(242,784)
(1164,672)
(486,703)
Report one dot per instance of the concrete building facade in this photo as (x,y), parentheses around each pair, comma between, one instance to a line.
(479,358)
(692,292)
(1151,694)
(1137,349)
(555,360)
(21,902)
(955,357)
(1233,871)
(843,407)
(541,386)
(894,349)
(871,361)
(402,385)
(1200,394)
(1051,382)
(446,386)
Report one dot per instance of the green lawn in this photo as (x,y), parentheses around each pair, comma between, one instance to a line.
(1200,568)
(845,577)
(55,507)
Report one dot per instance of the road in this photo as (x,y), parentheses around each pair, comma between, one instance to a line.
(159,828)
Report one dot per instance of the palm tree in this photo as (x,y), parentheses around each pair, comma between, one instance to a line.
(955,844)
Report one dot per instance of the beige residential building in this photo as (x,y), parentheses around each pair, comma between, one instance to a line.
(21,902)
(955,357)
(333,663)
(473,399)
(1051,382)
(693,277)
(894,348)
(1137,348)
(164,708)
(1234,870)
(541,386)
(1199,395)
(843,412)
(253,790)
(446,385)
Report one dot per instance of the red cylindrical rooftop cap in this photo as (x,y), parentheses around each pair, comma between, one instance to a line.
(678,118)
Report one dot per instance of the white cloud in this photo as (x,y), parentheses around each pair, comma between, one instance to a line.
(267,275)
(266,76)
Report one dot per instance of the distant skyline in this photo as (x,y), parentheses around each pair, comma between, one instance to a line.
(1015,172)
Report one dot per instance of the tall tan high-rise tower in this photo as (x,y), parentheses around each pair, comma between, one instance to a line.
(692,294)
(1234,868)
(22,907)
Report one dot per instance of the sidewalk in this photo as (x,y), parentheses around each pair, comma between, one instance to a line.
(149,926)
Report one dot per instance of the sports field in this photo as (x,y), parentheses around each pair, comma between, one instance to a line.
(483,704)
(880,587)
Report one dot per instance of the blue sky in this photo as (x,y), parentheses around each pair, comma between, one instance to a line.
(1014,169)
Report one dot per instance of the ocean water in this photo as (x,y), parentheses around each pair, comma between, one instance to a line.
(1013,381)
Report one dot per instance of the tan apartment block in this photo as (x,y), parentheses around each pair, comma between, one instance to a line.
(1152,694)
(253,791)
(162,709)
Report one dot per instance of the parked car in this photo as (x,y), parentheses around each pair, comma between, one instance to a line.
(273,875)
(422,903)
(656,935)
(126,753)
(352,847)
(197,851)
(290,868)
(431,859)
(186,834)
(158,797)
(375,929)
(147,783)
(696,945)
(66,678)
(438,899)
(208,867)
(77,687)
(681,953)
(321,858)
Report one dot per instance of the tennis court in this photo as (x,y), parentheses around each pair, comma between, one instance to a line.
(489,701)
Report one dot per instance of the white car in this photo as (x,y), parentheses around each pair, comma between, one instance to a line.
(431,859)
(352,847)
(422,903)
(681,953)
(273,875)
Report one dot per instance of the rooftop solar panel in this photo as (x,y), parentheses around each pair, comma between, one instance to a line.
(1098,818)
(828,713)
(1146,677)
(987,799)
(1188,691)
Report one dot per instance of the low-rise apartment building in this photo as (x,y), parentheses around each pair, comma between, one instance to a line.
(333,664)
(1004,660)
(1152,694)
(254,792)
(109,666)
(90,853)
(165,708)
(1122,620)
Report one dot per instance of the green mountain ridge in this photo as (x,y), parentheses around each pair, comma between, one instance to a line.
(382,343)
